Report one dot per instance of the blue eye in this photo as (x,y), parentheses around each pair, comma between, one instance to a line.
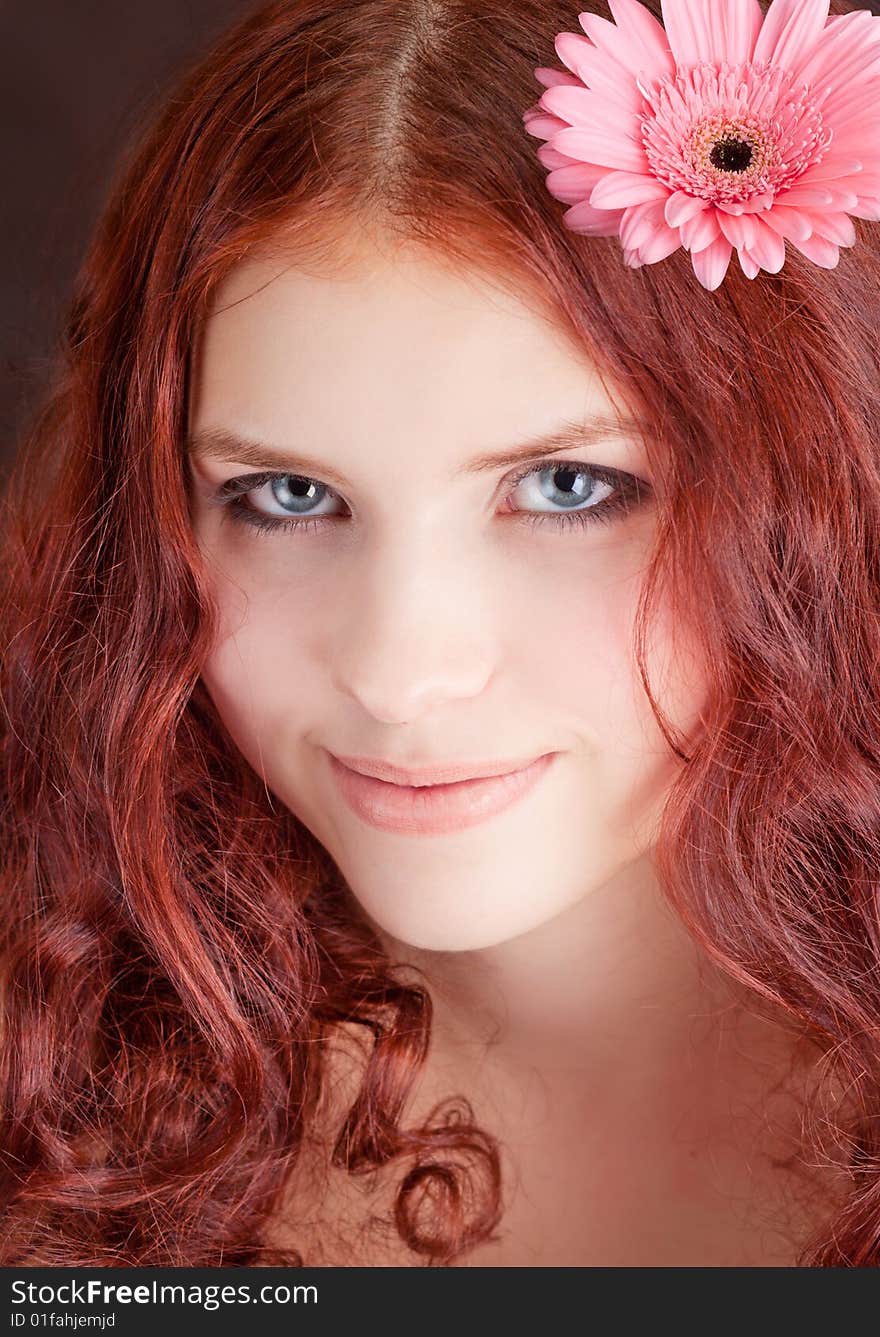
(588,493)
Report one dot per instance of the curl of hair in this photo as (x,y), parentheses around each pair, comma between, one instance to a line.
(174,948)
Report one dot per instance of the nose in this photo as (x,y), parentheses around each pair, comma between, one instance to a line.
(416,635)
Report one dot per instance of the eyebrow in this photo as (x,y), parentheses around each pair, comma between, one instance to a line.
(220,443)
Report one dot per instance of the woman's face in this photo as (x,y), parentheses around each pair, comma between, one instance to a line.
(420,605)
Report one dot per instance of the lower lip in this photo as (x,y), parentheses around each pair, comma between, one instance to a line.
(434,810)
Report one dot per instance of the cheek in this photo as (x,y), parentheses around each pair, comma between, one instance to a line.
(577,655)
(255,672)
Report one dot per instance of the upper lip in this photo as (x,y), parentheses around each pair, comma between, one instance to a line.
(433,775)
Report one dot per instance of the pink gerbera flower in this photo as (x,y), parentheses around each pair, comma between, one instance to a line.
(724,128)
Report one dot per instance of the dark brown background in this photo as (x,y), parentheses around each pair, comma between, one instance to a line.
(76,79)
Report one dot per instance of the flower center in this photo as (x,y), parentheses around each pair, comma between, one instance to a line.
(728,133)
(731,154)
(728,157)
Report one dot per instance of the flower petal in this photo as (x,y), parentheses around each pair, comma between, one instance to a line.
(790,32)
(647,40)
(592,222)
(843,200)
(838,170)
(643,229)
(569,48)
(853,87)
(604,35)
(599,71)
(700,231)
(576,105)
(723,30)
(867,208)
(759,202)
(552,158)
(546,75)
(845,51)
(749,266)
(838,228)
(598,145)
(681,206)
(630,52)
(639,222)
(866,183)
(806,195)
(734,228)
(574,182)
(795,224)
(710,264)
(541,125)
(819,250)
(660,244)
(616,190)
(767,247)
(854,133)
(753,206)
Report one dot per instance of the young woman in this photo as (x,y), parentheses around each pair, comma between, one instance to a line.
(441,779)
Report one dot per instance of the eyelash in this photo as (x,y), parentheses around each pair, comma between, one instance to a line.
(628,491)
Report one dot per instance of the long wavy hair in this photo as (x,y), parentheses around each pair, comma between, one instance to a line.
(174,949)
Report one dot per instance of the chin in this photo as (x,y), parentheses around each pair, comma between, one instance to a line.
(453,933)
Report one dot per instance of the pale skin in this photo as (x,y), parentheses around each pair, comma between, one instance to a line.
(428,621)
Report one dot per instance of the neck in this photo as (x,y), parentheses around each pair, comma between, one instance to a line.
(611,1000)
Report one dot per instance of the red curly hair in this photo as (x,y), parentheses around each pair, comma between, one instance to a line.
(174,950)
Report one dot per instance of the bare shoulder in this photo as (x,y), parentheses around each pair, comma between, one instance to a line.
(746,1179)
(791,1173)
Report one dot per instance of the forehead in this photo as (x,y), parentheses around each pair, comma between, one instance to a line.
(397,345)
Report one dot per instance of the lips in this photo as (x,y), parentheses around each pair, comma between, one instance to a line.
(432,775)
(434,809)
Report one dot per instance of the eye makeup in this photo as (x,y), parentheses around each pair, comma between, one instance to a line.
(628,493)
